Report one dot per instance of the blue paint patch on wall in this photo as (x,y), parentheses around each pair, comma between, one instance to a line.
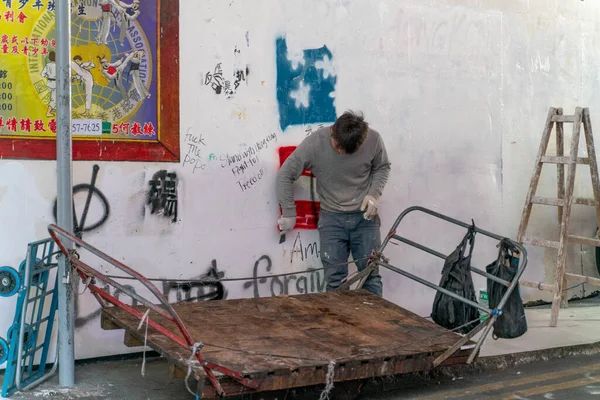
(305,86)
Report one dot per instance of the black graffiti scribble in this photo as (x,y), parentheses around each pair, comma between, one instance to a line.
(204,290)
(84,319)
(79,224)
(162,194)
(311,281)
(239,76)
(215,80)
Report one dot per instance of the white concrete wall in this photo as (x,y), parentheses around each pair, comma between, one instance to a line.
(459,90)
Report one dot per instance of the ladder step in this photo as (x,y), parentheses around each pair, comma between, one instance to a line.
(547,201)
(564,160)
(541,242)
(563,118)
(554,245)
(584,202)
(584,240)
(582,279)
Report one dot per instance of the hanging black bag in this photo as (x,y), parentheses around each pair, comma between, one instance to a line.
(456,277)
(512,322)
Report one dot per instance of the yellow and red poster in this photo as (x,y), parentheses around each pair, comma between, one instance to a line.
(122,70)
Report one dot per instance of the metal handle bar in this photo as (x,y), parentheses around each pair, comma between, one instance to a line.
(104,298)
(487,325)
(393,235)
(56,231)
(511,285)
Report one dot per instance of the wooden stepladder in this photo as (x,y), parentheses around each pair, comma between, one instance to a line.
(565,199)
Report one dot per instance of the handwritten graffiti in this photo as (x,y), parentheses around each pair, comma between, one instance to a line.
(304,251)
(174,290)
(162,194)
(305,85)
(91,191)
(314,282)
(193,158)
(250,181)
(244,163)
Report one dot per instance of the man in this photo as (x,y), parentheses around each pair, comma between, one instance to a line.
(134,71)
(49,72)
(351,165)
(114,72)
(129,12)
(107,18)
(83,74)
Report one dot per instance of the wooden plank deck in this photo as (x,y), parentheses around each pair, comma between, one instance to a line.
(288,341)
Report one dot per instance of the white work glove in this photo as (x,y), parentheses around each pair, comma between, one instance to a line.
(370,204)
(286,224)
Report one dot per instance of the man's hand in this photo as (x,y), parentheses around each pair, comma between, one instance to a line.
(370,204)
(286,224)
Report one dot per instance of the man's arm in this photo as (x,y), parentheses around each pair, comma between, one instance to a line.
(129,57)
(290,171)
(380,170)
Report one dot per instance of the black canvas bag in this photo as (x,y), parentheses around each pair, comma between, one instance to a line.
(456,277)
(512,322)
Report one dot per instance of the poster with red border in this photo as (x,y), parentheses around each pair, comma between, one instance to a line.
(124,80)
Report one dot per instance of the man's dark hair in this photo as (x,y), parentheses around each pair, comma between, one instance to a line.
(77,58)
(52,56)
(350,131)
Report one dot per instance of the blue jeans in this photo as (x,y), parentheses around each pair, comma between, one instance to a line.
(342,233)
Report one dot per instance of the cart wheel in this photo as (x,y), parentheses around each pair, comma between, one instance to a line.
(35,278)
(9,332)
(9,281)
(22,269)
(26,337)
(3,350)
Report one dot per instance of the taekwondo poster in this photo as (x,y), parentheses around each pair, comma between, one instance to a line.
(113,69)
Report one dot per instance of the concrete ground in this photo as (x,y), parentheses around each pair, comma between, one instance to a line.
(577,325)
(576,377)
(566,378)
(115,380)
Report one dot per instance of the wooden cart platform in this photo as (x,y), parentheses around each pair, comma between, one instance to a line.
(289,341)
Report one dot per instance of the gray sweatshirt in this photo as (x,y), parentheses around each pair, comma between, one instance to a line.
(343,180)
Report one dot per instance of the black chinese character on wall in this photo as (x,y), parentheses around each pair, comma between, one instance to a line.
(162,194)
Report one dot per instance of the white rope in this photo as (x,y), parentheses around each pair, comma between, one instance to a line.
(328,381)
(86,284)
(144,318)
(195,348)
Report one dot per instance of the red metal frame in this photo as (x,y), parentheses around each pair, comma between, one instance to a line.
(105,298)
